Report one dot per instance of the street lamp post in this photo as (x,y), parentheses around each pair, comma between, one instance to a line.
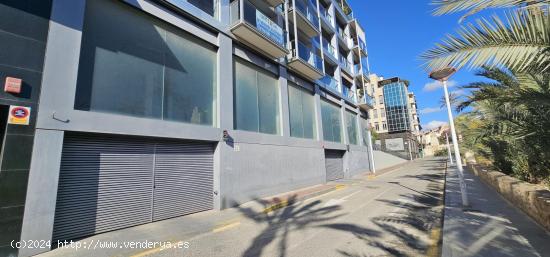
(443,76)
(449,148)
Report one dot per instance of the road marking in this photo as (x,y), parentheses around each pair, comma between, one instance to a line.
(340,186)
(226,227)
(333,202)
(433,250)
(350,195)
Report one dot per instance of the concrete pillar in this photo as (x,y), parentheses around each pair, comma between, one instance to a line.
(42,189)
(222,154)
(318,114)
(283,102)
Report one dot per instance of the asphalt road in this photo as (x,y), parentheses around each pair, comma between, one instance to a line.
(393,214)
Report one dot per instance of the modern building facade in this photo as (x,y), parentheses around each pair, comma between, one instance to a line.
(394,117)
(154,109)
(23,36)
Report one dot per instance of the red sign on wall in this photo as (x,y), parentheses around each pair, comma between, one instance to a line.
(13,85)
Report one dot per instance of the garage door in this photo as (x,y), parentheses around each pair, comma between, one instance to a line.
(334,165)
(108,183)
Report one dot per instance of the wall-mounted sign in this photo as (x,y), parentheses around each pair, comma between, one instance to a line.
(395,144)
(13,85)
(19,115)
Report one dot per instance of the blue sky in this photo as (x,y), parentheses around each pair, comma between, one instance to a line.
(398,31)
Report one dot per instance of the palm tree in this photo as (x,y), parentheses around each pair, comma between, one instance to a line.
(521,42)
(475,6)
(512,116)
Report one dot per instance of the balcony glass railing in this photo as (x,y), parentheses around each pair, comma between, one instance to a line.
(348,93)
(329,48)
(362,45)
(308,10)
(356,69)
(263,24)
(367,99)
(310,56)
(326,15)
(331,83)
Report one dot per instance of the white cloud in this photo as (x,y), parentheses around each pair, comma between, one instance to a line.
(435,85)
(430,110)
(459,92)
(434,124)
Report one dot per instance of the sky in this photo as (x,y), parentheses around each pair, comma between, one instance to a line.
(397,32)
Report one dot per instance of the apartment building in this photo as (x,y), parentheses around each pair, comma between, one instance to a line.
(154,109)
(434,140)
(394,117)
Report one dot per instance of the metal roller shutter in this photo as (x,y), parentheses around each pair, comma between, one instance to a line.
(108,183)
(183,179)
(334,165)
(105,183)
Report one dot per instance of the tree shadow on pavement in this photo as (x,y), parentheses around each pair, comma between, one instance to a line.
(408,229)
(282,221)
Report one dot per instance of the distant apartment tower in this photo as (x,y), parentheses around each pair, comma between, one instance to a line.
(394,116)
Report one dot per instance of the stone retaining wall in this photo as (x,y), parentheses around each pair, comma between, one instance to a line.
(532,199)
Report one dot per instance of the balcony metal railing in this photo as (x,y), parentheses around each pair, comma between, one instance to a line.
(309,55)
(329,48)
(257,19)
(309,11)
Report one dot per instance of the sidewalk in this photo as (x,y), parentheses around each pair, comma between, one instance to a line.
(490,227)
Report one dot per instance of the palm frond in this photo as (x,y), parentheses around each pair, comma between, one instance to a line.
(521,44)
(474,6)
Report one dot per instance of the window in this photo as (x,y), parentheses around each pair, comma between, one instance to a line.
(383,112)
(135,65)
(375,114)
(381,99)
(302,112)
(376,126)
(332,122)
(384,126)
(351,128)
(207,6)
(256,99)
(364,130)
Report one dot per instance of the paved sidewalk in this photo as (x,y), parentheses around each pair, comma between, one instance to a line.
(490,227)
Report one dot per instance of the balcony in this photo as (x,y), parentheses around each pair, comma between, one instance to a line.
(366,102)
(360,47)
(306,17)
(306,61)
(330,52)
(256,29)
(344,10)
(346,66)
(348,94)
(344,39)
(327,19)
(331,84)
(275,3)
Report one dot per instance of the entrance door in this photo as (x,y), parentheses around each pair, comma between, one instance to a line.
(334,164)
